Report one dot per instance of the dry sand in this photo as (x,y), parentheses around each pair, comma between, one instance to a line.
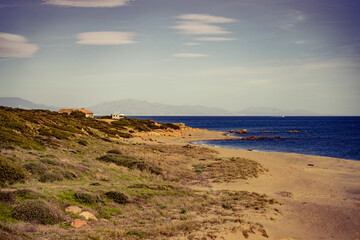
(320,196)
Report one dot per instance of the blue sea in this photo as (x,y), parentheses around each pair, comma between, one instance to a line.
(337,137)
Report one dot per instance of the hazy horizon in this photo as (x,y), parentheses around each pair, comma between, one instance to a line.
(230,54)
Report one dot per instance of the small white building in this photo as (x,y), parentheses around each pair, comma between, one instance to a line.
(117,116)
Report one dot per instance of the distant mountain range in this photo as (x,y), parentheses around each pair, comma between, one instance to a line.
(135,107)
(132,107)
(16,102)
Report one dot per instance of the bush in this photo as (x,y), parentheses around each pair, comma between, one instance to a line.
(10,172)
(106,139)
(7,196)
(50,161)
(114,151)
(87,198)
(68,174)
(105,117)
(26,194)
(50,177)
(83,142)
(78,114)
(130,162)
(117,197)
(36,168)
(37,211)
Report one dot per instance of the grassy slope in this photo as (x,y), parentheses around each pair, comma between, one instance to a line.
(135,190)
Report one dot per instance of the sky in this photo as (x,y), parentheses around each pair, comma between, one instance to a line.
(233,54)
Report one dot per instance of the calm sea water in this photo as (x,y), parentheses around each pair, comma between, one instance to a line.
(321,136)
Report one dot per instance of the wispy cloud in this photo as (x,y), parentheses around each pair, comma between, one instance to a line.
(214,39)
(199,28)
(15,46)
(291,19)
(192,44)
(106,38)
(206,18)
(202,24)
(88,3)
(189,55)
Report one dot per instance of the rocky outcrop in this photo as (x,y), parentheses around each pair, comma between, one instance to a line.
(242,131)
(88,216)
(78,223)
(253,138)
(73,209)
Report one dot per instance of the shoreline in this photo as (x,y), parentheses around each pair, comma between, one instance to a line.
(265,151)
(319,196)
(229,137)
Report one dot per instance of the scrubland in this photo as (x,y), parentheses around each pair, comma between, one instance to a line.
(53,163)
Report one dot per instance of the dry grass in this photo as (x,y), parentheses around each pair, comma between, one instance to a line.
(226,170)
(157,205)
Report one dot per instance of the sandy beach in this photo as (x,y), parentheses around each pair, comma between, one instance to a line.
(319,196)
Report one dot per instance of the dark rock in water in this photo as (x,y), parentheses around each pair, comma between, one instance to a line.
(231,131)
(242,131)
(267,131)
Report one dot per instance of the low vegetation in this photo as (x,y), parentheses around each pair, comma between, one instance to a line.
(10,172)
(50,162)
(37,211)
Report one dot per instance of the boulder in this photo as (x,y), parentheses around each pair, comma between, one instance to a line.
(78,223)
(88,216)
(242,131)
(231,131)
(73,209)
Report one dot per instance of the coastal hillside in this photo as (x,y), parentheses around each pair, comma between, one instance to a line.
(71,177)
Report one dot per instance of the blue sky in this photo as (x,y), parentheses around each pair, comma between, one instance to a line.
(234,54)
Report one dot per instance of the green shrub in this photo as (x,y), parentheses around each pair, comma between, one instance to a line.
(117,197)
(88,198)
(5,212)
(124,135)
(78,114)
(50,161)
(142,125)
(36,168)
(106,139)
(68,174)
(11,138)
(37,211)
(10,172)
(50,177)
(130,162)
(7,196)
(105,117)
(26,194)
(83,142)
(54,132)
(114,151)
